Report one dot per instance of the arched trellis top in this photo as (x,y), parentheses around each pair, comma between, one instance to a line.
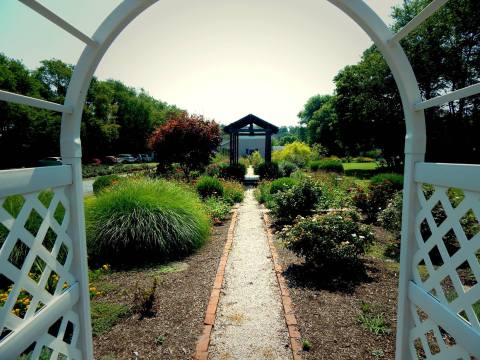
(250,125)
(71,306)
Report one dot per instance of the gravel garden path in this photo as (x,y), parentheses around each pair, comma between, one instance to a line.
(250,323)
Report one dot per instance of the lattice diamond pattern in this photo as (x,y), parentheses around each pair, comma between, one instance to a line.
(35,261)
(444,252)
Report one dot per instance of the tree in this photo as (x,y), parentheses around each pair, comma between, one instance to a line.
(188,140)
(116,118)
(366,112)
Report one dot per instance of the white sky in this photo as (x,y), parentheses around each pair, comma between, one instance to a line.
(220,58)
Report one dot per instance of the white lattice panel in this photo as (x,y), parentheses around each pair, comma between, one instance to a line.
(446,265)
(35,272)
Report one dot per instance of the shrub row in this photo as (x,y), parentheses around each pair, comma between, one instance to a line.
(334,165)
(89,171)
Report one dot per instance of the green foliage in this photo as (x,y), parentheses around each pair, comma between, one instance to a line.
(105,315)
(327,164)
(144,299)
(366,105)
(300,200)
(159,340)
(208,186)
(381,190)
(233,171)
(390,218)
(262,193)
(335,191)
(116,118)
(282,184)
(217,209)
(395,179)
(255,158)
(268,171)
(372,321)
(89,171)
(363,159)
(297,153)
(306,345)
(332,242)
(287,168)
(233,192)
(103,182)
(143,220)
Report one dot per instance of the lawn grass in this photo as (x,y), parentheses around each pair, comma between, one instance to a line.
(360,166)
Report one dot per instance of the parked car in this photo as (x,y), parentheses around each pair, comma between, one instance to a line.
(50,161)
(126,158)
(110,159)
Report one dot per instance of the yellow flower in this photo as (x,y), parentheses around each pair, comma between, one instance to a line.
(106,267)
(93,289)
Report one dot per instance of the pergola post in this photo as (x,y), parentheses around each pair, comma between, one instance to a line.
(268,147)
(231,149)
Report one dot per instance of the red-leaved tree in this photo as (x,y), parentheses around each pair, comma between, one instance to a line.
(188,140)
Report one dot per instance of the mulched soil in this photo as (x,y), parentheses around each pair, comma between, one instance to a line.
(327,309)
(181,300)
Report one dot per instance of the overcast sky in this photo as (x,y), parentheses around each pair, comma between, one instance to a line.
(220,58)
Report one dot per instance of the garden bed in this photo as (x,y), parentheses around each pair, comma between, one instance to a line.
(181,299)
(328,310)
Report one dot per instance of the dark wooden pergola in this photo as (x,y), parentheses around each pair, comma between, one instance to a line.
(246,126)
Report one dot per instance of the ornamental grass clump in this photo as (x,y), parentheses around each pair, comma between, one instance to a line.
(332,242)
(143,220)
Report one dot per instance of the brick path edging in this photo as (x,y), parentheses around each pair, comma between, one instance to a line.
(201,352)
(290,319)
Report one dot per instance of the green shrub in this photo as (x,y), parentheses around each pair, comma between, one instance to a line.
(395,179)
(363,159)
(374,199)
(282,184)
(217,209)
(287,168)
(299,200)
(145,220)
(327,164)
(267,171)
(390,218)
(255,158)
(213,169)
(233,171)
(233,192)
(103,182)
(262,193)
(296,152)
(209,186)
(330,242)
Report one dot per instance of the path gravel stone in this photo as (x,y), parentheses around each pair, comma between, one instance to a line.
(250,322)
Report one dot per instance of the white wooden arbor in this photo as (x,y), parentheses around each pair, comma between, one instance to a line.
(68,305)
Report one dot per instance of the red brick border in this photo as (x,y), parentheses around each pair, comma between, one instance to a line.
(290,319)
(201,352)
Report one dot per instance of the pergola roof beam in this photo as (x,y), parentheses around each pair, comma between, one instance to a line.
(452,96)
(57,20)
(428,11)
(30,101)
